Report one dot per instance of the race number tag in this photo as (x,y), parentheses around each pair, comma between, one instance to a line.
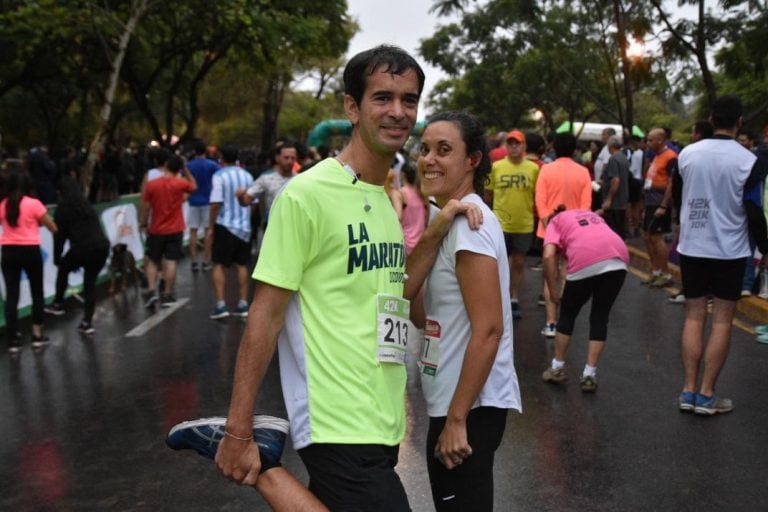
(430,350)
(392,328)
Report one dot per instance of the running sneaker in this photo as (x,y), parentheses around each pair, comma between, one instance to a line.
(205,434)
(54,308)
(761,329)
(219,312)
(150,297)
(678,298)
(195,266)
(555,375)
(661,281)
(40,341)
(241,310)
(206,266)
(686,401)
(709,406)
(86,327)
(588,383)
(762,338)
(14,344)
(549,330)
(541,301)
(516,312)
(746,293)
(537,267)
(167,300)
(651,278)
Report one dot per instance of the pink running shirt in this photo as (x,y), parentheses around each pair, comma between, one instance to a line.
(27,230)
(585,239)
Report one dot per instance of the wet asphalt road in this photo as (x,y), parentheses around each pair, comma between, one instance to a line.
(82,422)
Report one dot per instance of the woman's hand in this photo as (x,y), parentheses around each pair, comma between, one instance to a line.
(452,446)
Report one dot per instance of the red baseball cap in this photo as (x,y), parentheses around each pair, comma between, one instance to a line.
(517,135)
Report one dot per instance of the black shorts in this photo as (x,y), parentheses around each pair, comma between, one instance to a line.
(656,225)
(635,188)
(354,477)
(707,276)
(518,242)
(228,248)
(165,246)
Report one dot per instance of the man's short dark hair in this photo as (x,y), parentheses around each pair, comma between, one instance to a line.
(726,112)
(535,143)
(199,147)
(229,153)
(384,58)
(160,156)
(285,145)
(564,144)
(174,164)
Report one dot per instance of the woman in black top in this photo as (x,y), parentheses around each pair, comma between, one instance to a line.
(88,248)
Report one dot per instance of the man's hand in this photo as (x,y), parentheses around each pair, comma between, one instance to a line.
(239,460)
(660,212)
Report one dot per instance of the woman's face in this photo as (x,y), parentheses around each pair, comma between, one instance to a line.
(445,169)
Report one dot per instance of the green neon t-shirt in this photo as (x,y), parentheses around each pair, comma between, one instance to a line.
(336,242)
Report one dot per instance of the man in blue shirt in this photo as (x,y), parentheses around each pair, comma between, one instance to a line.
(202,169)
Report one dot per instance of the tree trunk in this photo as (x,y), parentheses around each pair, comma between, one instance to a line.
(96,148)
(628,119)
(273,102)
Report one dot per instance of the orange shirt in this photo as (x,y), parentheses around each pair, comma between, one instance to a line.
(658,172)
(562,182)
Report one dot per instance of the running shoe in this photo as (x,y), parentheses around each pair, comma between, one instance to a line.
(588,383)
(761,329)
(762,338)
(54,308)
(651,278)
(555,375)
(86,327)
(537,267)
(661,281)
(516,312)
(541,301)
(205,434)
(746,293)
(206,266)
(676,299)
(241,310)
(219,312)
(150,297)
(14,343)
(686,401)
(195,266)
(549,330)
(40,341)
(709,406)
(167,300)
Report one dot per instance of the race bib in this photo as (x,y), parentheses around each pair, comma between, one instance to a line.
(430,350)
(392,328)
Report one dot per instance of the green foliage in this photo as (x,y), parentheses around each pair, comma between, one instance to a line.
(60,52)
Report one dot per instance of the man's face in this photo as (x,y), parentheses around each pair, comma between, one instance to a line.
(515,149)
(285,160)
(387,111)
(744,141)
(605,135)
(656,141)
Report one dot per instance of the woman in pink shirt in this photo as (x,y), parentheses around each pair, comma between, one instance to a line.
(414,217)
(597,265)
(21,216)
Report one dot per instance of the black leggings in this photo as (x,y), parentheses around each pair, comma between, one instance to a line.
(15,259)
(603,288)
(92,263)
(468,486)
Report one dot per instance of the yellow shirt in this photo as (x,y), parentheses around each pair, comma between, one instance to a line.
(513,187)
